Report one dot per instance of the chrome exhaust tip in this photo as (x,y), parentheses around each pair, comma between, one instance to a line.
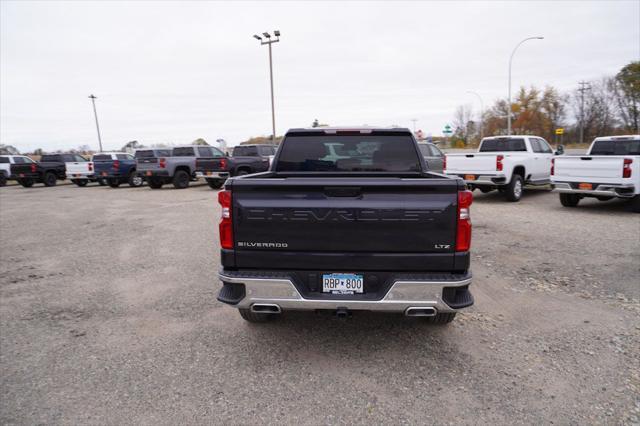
(265,308)
(420,312)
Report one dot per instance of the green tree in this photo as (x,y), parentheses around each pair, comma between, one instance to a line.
(626,89)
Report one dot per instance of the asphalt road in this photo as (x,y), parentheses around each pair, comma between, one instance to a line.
(108,316)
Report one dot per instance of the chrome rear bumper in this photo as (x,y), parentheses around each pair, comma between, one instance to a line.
(602,190)
(401,295)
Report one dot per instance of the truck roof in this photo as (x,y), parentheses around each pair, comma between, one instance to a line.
(511,136)
(361,129)
(617,138)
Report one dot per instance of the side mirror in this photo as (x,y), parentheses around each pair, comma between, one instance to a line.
(560,150)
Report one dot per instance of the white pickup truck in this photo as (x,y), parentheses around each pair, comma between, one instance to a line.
(80,171)
(5,166)
(610,169)
(505,163)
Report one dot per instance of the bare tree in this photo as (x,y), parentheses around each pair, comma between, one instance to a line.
(463,125)
(625,88)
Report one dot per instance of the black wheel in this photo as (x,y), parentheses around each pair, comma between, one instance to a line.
(569,200)
(27,183)
(154,183)
(215,183)
(114,182)
(242,172)
(443,318)
(50,179)
(102,182)
(485,190)
(135,180)
(249,316)
(80,182)
(513,191)
(3,179)
(635,204)
(181,179)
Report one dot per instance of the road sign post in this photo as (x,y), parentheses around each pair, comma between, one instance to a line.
(447,132)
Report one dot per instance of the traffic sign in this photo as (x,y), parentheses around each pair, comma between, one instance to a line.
(560,131)
(447,130)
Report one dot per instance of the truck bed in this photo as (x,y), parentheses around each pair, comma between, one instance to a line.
(600,169)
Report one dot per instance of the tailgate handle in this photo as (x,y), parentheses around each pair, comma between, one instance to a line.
(342,191)
(469,155)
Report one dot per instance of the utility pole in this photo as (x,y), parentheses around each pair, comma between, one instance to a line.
(414,120)
(268,41)
(584,86)
(93,101)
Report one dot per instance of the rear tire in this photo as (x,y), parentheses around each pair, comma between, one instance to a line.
(50,179)
(135,180)
(3,179)
(243,172)
(215,183)
(635,204)
(114,182)
(442,318)
(155,183)
(102,182)
(513,191)
(27,183)
(254,317)
(181,179)
(569,200)
(80,182)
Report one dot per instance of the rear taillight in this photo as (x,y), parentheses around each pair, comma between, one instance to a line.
(463,236)
(223,164)
(444,163)
(499,159)
(226,225)
(90,167)
(116,164)
(553,166)
(626,168)
(33,167)
(162,162)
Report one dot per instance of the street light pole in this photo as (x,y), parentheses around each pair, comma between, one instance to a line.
(414,120)
(95,113)
(481,112)
(510,61)
(268,41)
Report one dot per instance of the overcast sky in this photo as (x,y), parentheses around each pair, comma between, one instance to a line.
(173,72)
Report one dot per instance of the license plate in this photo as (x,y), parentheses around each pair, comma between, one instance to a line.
(148,173)
(76,175)
(21,174)
(587,186)
(469,177)
(208,173)
(104,173)
(342,283)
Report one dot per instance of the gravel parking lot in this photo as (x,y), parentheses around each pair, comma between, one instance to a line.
(108,316)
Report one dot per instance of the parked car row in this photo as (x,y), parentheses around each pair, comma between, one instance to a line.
(178,166)
(610,169)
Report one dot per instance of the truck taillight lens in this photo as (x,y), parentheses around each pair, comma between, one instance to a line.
(116,164)
(463,235)
(33,167)
(626,168)
(223,164)
(90,167)
(226,225)
(553,166)
(444,163)
(162,162)
(499,159)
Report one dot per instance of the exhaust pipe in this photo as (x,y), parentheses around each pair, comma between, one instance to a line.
(420,312)
(265,308)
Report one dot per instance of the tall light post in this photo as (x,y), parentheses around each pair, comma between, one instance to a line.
(93,101)
(481,112)
(510,61)
(269,41)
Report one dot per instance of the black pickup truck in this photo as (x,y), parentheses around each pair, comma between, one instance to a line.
(216,168)
(48,170)
(346,220)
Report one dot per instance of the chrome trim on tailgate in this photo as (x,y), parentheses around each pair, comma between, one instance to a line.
(605,190)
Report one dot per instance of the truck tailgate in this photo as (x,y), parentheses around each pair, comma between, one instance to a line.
(362,223)
(471,163)
(144,164)
(600,169)
(79,168)
(210,164)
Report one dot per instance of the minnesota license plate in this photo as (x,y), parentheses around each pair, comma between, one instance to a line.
(104,173)
(208,173)
(469,177)
(585,186)
(342,283)
(148,173)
